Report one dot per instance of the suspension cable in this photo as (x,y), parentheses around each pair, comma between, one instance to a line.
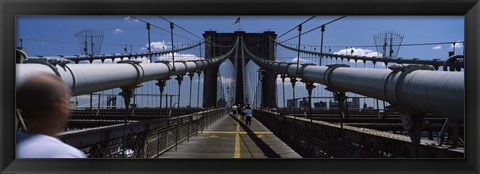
(314,28)
(373,46)
(180,27)
(296,26)
(161,28)
(103,56)
(435,62)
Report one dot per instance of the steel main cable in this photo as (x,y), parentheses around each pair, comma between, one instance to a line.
(363,58)
(410,44)
(120,55)
(69,42)
(105,56)
(117,55)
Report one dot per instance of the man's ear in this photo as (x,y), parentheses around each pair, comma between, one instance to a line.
(63,107)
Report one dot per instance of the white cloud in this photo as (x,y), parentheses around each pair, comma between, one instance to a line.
(127,18)
(118,30)
(287,82)
(438,47)
(179,57)
(359,52)
(227,80)
(301,60)
(160,45)
(145,60)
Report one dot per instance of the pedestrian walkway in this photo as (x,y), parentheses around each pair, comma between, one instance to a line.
(229,137)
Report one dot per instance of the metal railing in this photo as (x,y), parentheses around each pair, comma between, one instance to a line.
(145,139)
(320,139)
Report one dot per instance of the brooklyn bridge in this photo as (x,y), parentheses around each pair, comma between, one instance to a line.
(167,108)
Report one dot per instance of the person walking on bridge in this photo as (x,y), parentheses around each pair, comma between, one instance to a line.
(248,115)
(43,101)
(234,109)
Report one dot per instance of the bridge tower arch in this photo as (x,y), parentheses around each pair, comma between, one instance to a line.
(260,45)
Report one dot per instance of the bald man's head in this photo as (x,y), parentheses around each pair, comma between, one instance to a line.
(40,96)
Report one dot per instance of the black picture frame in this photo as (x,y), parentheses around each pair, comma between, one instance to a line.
(10,8)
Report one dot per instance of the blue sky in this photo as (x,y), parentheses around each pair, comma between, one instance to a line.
(54,35)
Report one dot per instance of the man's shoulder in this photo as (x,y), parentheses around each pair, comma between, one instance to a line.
(27,147)
(70,152)
(63,150)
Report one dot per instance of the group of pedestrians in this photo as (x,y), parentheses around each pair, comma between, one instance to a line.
(245,111)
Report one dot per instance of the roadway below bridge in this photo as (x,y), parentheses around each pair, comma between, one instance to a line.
(230,137)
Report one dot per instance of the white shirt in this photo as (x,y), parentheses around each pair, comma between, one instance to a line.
(234,107)
(43,146)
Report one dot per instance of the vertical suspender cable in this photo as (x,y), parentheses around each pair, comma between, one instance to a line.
(243,74)
(198,89)
(298,48)
(235,69)
(149,43)
(173,48)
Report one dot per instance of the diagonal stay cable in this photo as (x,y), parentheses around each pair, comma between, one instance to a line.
(180,27)
(162,28)
(314,29)
(296,26)
(205,40)
(210,43)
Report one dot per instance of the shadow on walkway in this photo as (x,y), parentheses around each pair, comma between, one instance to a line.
(269,152)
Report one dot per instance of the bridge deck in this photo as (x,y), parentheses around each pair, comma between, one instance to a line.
(229,137)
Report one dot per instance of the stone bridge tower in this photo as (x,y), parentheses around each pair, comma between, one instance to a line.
(260,45)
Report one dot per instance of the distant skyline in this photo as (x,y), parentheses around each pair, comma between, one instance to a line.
(54,35)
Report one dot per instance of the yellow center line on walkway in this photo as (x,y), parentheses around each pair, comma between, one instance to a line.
(237,142)
(226,132)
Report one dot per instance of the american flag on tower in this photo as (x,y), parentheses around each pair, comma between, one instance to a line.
(237,21)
